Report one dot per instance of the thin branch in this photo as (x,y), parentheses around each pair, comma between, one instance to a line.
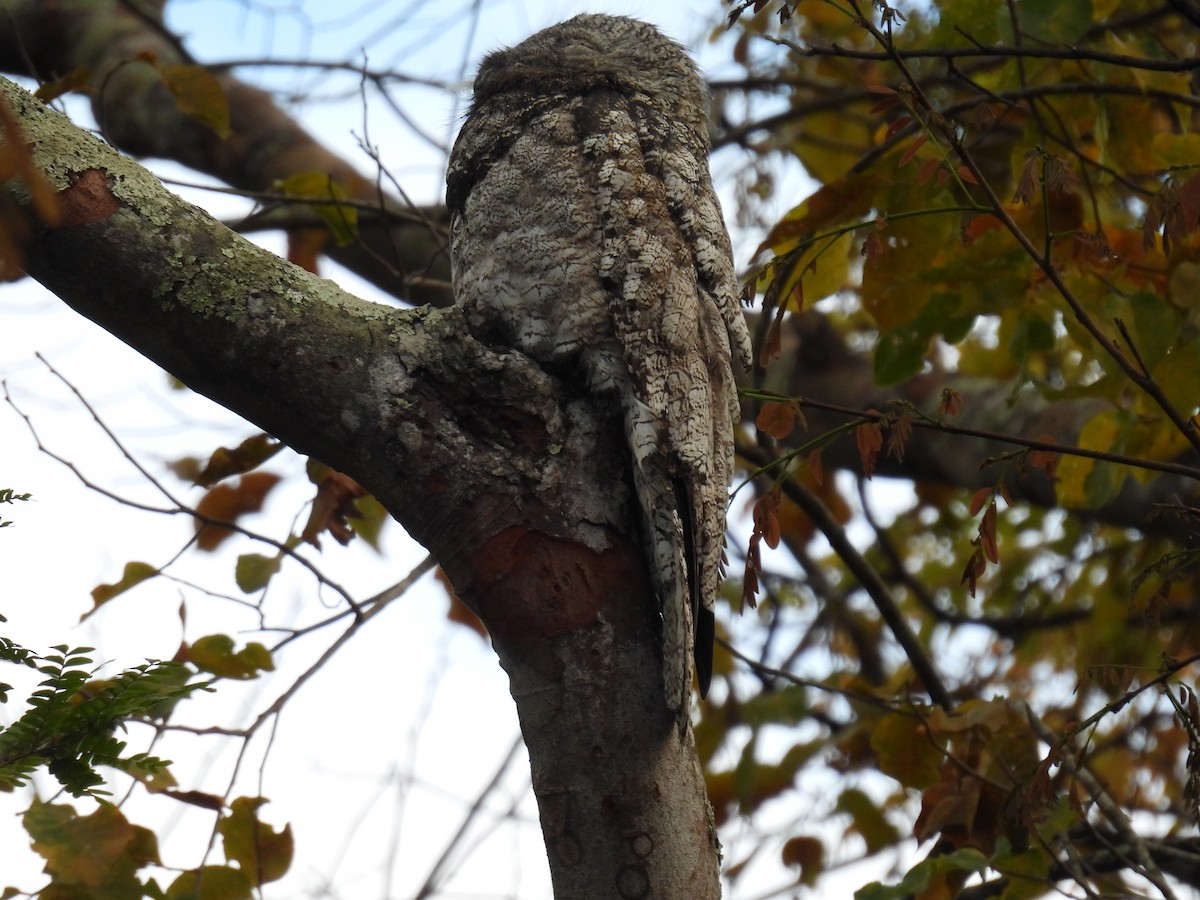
(868,577)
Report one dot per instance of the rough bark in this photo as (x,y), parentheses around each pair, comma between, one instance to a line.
(408,257)
(515,484)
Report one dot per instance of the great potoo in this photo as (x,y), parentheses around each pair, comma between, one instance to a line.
(585,234)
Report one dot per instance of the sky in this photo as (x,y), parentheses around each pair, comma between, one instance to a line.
(382,754)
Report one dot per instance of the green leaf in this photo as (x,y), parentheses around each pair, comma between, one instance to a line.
(215,654)
(905,751)
(368,519)
(900,354)
(920,875)
(1060,22)
(254,571)
(263,853)
(867,820)
(211,883)
(341,218)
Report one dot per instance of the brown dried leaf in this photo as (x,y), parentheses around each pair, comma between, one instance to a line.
(975,568)
(950,403)
(987,535)
(331,506)
(898,436)
(869,438)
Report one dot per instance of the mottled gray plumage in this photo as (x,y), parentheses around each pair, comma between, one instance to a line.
(585,233)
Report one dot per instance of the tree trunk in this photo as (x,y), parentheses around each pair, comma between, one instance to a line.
(515,484)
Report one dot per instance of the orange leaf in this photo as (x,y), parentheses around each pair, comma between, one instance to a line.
(228,502)
(776,419)
(978,499)
(816,467)
(869,438)
(916,145)
(951,402)
(766,517)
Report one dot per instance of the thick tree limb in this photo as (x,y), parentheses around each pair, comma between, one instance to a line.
(401,249)
(514,482)
(816,365)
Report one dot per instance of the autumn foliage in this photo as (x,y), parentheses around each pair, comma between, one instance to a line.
(967,576)
(1006,223)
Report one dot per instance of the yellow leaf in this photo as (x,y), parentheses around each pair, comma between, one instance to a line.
(341,218)
(215,654)
(905,751)
(135,573)
(1100,433)
(1175,149)
(198,94)
(263,853)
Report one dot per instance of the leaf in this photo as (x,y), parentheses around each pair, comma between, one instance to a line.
(900,354)
(97,854)
(260,851)
(920,875)
(368,519)
(249,454)
(340,218)
(214,653)
(897,126)
(198,94)
(1060,22)
(917,143)
(1077,486)
(134,574)
(227,503)
(73,81)
(807,854)
(987,535)
(1045,460)
(906,752)
(211,883)
(254,571)
(867,820)
(978,500)
(776,419)
(333,505)
(869,439)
